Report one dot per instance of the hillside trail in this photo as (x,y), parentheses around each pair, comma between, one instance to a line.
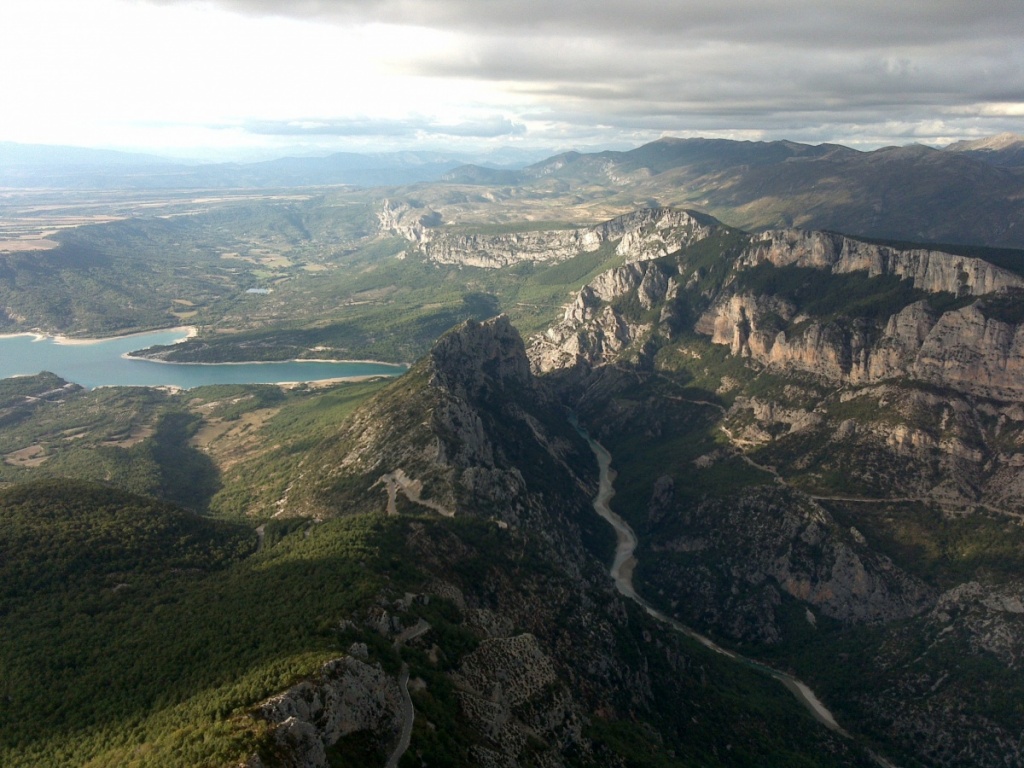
(621,572)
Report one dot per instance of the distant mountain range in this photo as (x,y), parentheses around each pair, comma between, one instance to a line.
(80,167)
(30,165)
(967,193)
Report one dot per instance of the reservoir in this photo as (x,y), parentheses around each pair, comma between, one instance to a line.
(101,362)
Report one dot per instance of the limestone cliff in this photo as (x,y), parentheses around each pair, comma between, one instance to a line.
(407,218)
(593,331)
(964,348)
(930,270)
(970,347)
(975,347)
(644,234)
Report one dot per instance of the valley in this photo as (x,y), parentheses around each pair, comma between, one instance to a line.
(806,430)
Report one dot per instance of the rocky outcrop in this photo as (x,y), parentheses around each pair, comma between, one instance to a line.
(592,330)
(969,351)
(645,234)
(749,324)
(964,349)
(409,219)
(346,696)
(972,348)
(930,270)
(476,356)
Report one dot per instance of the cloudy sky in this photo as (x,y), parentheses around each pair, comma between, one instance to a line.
(182,77)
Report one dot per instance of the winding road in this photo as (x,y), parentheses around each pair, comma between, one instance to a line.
(408,711)
(622,574)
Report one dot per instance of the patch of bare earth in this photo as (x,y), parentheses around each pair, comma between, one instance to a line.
(228,441)
(27,244)
(133,437)
(31,456)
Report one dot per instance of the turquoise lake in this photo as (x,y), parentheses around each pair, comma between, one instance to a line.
(101,363)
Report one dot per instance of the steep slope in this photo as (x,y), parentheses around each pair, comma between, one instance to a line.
(818,442)
(430,440)
(478,467)
(831,305)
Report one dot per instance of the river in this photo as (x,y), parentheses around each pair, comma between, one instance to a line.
(102,362)
(621,572)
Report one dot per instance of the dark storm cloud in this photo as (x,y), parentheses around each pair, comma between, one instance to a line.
(724,65)
(865,22)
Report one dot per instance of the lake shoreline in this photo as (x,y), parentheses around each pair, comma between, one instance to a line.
(189,331)
(130,356)
(312,383)
(114,361)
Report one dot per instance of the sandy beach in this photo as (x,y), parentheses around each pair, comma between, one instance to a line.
(190,331)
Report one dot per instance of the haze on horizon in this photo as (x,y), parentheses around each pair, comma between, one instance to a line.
(263,77)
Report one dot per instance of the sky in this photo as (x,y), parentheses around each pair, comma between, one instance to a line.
(269,77)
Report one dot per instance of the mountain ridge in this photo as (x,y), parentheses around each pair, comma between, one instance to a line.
(892,192)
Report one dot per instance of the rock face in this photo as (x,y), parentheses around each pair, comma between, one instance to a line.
(644,234)
(965,348)
(407,219)
(345,697)
(971,348)
(962,348)
(976,348)
(930,270)
(480,355)
(592,331)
